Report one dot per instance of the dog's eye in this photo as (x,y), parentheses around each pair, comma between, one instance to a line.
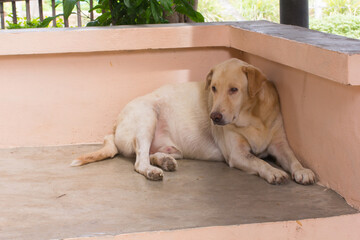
(213,88)
(233,90)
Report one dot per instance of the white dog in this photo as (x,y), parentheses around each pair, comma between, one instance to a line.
(233,116)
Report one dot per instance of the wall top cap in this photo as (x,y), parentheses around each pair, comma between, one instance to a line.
(326,55)
(322,40)
(303,35)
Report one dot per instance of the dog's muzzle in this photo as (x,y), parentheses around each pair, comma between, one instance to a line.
(217,118)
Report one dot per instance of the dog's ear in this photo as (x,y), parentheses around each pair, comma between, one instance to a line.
(208,79)
(255,79)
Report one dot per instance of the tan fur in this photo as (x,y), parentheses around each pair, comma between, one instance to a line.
(174,122)
(109,150)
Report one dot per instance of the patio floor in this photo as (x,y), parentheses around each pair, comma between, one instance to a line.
(41,197)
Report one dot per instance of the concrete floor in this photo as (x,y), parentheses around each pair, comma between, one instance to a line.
(41,197)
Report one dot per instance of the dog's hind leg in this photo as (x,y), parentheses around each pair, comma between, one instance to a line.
(165,157)
(109,150)
(141,135)
(164,160)
(142,163)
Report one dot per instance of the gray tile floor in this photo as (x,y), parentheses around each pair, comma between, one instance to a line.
(41,197)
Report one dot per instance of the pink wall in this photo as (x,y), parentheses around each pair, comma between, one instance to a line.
(75,98)
(322,124)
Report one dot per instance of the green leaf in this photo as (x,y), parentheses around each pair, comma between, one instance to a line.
(147,15)
(46,21)
(184,7)
(104,19)
(127,3)
(137,3)
(57,3)
(99,6)
(93,23)
(167,5)
(68,7)
(199,17)
(154,10)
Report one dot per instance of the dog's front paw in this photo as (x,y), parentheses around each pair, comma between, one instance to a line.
(277,176)
(154,174)
(304,176)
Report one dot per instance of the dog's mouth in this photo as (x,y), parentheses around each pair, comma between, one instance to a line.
(220,123)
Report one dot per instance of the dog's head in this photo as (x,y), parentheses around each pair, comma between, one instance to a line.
(232,84)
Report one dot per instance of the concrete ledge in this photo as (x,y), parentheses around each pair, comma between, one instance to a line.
(325,55)
(333,228)
(119,38)
(66,86)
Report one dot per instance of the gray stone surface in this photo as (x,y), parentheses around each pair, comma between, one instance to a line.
(41,197)
(322,40)
(299,34)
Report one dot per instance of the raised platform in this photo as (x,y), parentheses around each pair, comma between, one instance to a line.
(41,197)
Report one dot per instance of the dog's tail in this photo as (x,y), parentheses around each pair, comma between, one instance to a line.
(109,150)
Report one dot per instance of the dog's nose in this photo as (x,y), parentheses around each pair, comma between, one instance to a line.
(216,117)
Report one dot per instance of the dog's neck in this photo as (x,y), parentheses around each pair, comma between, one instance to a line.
(247,119)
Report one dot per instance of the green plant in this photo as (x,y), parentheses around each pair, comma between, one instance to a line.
(351,7)
(213,11)
(128,12)
(345,25)
(22,22)
(258,9)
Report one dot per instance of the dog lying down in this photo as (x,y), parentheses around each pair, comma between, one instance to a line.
(234,116)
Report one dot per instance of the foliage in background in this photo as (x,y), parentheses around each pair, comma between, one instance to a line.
(129,12)
(336,7)
(33,23)
(258,9)
(23,23)
(345,25)
(339,17)
(213,11)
